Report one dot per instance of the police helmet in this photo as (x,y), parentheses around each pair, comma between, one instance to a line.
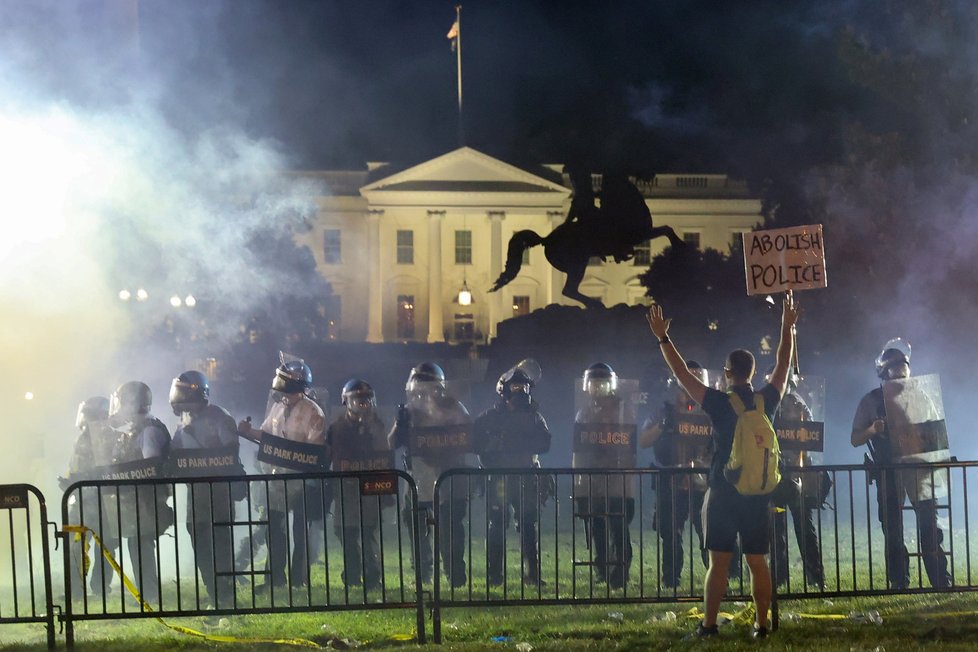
(600,380)
(426,373)
(131,399)
(91,409)
(292,377)
(513,377)
(896,351)
(358,396)
(188,390)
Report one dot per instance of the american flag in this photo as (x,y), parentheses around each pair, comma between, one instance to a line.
(453,34)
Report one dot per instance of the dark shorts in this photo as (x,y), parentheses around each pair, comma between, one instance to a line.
(726,514)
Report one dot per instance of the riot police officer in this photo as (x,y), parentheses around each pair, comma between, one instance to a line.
(357,440)
(209,432)
(295,417)
(144,512)
(801,496)
(871,427)
(510,435)
(606,502)
(83,505)
(434,429)
(679,497)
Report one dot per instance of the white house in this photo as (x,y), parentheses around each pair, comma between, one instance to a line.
(397,246)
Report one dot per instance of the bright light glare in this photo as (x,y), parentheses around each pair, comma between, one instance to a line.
(125,295)
(175,301)
(141,294)
(190,301)
(464,298)
(29,396)
(39,166)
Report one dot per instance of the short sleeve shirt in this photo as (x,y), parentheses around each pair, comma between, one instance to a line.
(717,405)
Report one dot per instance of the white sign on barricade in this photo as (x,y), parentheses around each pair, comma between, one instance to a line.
(777,260)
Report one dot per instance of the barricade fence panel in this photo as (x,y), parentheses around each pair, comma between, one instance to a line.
(25,566)
(340,541)
(265,544)
(554,536)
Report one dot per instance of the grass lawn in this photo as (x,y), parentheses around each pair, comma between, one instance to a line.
(909,623)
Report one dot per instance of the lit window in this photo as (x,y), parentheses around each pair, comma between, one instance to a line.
(405,316)
(463,247)
(405,247)
(332,252)
(521,306)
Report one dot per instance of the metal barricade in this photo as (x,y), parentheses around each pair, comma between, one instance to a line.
(567,536)
(265,544)
(25,564)
(633,536)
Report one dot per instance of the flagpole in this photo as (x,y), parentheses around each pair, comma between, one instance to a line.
(458,64)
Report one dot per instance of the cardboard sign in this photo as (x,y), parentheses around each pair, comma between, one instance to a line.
(13,497)
(148,469)
(784,259)
(378,485)
(369,461)
(201,462)
(295,455)
(605,438)
(694,426)
(437,441)
(800,435)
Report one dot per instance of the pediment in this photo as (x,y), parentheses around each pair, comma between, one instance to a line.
(465,170)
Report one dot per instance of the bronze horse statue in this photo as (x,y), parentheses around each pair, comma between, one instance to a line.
(622,222)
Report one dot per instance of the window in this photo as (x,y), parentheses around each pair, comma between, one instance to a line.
(521,306)
(737,241)
(405,316)
(526,257)
(643,253)
(332,253)
(463,247)
(405,248)
(692,238)
(464,327)
(333,310)
(595,260)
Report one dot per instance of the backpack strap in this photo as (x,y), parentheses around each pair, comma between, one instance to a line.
(738,406)
(736,403)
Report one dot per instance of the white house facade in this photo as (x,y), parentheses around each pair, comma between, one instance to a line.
(398,246)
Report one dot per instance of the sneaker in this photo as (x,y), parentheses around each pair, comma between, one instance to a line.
(759,633)
(702,632)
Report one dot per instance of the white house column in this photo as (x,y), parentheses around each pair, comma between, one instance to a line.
(375,289)
(436,322)
(495,299)
(555,280)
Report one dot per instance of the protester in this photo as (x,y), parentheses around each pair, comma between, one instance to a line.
(727,513)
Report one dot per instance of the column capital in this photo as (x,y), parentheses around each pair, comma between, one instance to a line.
(496,216)
(436,214)
(375,213)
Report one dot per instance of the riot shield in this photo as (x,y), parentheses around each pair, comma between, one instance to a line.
(441,428)
(605,426)
(915,418)
(798,423)
(918,433)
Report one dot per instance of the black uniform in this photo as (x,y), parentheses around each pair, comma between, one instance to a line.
(511,438)
(358,445)
(210,507)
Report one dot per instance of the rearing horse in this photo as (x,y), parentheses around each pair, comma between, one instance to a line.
(623,222)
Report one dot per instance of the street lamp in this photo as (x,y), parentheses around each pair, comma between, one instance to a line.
(176,301)
(141,294)
(190,301)
(124,295)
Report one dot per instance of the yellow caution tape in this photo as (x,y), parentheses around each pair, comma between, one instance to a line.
(131,587)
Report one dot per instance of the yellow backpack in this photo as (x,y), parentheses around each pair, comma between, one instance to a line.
(755,458)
